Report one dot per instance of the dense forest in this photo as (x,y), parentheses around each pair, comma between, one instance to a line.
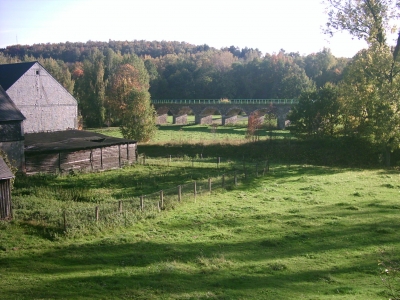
(175,70)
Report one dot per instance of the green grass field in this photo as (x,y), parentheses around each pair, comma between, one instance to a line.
(300,232)
(204,134)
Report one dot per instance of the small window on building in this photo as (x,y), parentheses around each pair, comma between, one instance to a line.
(37,72)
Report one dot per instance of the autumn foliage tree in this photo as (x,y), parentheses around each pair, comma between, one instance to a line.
(123,81)
(254,123)
(138,116)
(128,100)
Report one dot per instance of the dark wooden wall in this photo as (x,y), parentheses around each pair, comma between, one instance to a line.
(103,158)
(5,199)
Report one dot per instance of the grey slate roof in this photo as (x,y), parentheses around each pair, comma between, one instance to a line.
(10,73)
(5,172)
(69,140)
(8,110)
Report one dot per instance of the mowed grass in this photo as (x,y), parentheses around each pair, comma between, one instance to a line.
(300,232)
(202,134)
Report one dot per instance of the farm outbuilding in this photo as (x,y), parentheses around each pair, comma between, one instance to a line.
(11,130)
(45,103)
(5,191)
(64,151)
(38,126)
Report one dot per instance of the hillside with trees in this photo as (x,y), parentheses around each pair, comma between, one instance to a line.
(174,70)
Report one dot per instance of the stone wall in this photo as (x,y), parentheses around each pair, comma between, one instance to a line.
(204,120)
(229,120)
(180,120)
(162,119)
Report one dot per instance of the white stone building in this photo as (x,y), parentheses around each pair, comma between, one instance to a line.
(45,103)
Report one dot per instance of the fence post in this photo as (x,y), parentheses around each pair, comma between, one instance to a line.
(65,220)
(179,193)
(267,165)
(162,199)
(101,157)
(209,185)
(96,212)
(218,162)
(120,206)
(119,156)
(59,161)
(235,179)
(144,159)
(91,159)
(257,169)
(141,203)
(223,181)
(195,190)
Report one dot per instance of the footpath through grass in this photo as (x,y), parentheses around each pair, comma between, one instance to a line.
(302,232)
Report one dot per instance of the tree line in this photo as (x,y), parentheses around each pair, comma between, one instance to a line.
(173,70)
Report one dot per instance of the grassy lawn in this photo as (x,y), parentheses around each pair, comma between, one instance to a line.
(205,134)
(302,231)
(297,233)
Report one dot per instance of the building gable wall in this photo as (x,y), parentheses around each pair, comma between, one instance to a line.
(45,103)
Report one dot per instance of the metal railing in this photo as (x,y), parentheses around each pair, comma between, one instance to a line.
(224,101)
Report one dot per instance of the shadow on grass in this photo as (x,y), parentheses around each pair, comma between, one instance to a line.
(145,180)
(230,129)
(117,267)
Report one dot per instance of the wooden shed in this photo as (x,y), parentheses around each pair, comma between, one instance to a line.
(64,151)
(5,191)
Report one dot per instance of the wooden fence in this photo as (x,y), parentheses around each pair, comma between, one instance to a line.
(126,212)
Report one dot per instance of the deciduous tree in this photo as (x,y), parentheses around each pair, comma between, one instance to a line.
(138,117)
(371,86)
(318,112)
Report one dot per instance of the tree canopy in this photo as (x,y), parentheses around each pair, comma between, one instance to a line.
(367,103)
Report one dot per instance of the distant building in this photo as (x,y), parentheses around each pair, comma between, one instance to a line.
(11,130)
(45,103)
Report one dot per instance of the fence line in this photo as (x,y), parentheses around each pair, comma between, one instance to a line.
(126,212)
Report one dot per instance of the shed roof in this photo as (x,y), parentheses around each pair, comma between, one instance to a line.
(5,172)
(8,110)
(69,140)
(10,73)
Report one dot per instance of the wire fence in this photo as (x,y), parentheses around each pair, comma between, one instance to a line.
(126,212)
